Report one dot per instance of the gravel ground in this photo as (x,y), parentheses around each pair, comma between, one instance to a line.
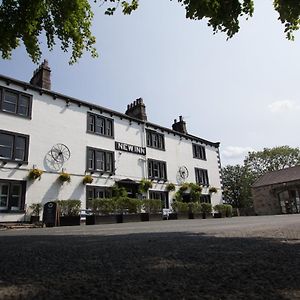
(238,258)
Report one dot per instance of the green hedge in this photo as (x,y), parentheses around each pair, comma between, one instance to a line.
(69,207)
(152,206)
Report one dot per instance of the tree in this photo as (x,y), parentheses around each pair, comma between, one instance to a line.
(237,181)
(70,21)
(272,159)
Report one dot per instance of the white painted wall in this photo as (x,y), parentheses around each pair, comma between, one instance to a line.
(54,122)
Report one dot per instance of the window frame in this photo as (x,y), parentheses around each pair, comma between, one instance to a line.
(153,137)
(161,168)
(206,177)
(10,183)
(19,94)
(199,152)
(111,170)
(26,150)
(160,194)
(106,128)
(205,198)
(107,191)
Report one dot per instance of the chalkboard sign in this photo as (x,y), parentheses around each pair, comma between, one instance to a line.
(50,214)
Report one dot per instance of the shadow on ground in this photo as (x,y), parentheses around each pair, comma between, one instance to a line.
(148,266)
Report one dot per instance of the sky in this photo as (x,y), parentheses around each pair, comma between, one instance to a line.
(243,93)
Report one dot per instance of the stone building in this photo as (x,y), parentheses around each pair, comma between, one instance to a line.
(277,192)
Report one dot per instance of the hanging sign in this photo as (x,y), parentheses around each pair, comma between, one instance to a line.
(130,148)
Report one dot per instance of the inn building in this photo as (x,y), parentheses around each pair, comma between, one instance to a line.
(45,130)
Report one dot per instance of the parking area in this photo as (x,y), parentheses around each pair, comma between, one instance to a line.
(234,258)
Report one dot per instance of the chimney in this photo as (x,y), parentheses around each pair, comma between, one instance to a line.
(179,126)
(137,110)
(41,76)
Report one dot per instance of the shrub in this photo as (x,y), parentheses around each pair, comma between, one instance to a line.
(228,210)
(69,207)
(180,207)
(64,177)
(152,206)
(87,179)
(145,185)
(130,205)
(195,207)
(184,187)
(220,208)
(103,206)
(170,187)
(118,192)
(35,174)
(36,209)
(206,208)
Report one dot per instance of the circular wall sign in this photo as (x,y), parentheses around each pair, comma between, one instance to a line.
(60,153)
(183,172)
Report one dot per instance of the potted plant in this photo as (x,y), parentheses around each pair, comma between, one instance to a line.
(35,212)
(181,209)
(64,177)
(145,185)
(195,210)
(69,212)
(228,210)
(152,210)
(87,179)
(220,211)
(212,190)
(170,187)
(206,209)
(35,174)
(129,209)
(103,211)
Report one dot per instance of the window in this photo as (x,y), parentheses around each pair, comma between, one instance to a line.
(205,199)
(155,140)
(100,160)
(199,152)
(201,176)
(162,196)
(100,125)
(15,102)
(13,146)
(93,192)
(157,169)
(12,195)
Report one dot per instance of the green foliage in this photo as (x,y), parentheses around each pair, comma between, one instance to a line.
(36,208)
(228,210)
(35,174)
(69,207)
(64,177)
(206,208)
(180,207)
(103,206)
(195,207)
(130,205)
(118,192)
(195,191)
(170,187)
(87,179)
(220,208)
(145,185)
(184,187)
(70,22)
(212,190)
(152,206)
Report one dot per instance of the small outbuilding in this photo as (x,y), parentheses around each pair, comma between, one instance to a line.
(277,192)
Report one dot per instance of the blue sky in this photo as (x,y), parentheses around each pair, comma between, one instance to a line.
(242,92)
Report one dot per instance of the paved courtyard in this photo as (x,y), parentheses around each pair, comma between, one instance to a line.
(237,258)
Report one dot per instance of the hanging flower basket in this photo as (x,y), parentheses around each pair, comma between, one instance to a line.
(64,177)
(212,190)
(170,187)
(35,174)
(87,179)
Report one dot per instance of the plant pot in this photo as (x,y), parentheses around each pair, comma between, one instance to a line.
(172,216)
(218,215)
(156,217)
(182,215)
(145,217)
(204,215)
(34,219)
(69,221)
(131,218)
(104,219)
(119,218)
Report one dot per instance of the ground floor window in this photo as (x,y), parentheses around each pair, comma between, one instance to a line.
(93,192)
(12,195)
(163,196)
(205,199)
(290,201)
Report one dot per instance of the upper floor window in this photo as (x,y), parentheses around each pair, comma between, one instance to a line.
(100,160)
(155,140)
(15,102)
(199,152)
(13,146)
(12,195)
(100,125)
(157,169)
(201,176)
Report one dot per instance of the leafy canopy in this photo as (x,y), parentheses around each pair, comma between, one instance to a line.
(69,22)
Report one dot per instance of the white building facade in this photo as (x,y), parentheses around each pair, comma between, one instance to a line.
(52,132)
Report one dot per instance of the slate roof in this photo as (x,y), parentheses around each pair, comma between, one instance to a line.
(280,176)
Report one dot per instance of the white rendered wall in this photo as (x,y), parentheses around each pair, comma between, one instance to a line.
(55,122)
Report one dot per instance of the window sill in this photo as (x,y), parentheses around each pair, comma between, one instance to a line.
(99,134)
(16,115)
(19,162)
(12,211)
(160,149)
